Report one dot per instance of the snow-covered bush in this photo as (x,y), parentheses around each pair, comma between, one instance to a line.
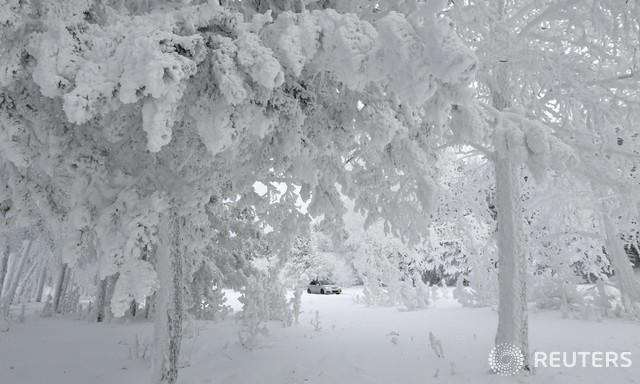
(480,286)
(389,275)
(263,300)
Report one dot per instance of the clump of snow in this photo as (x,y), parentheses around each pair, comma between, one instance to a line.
(226,72)
(546,151)
(347,43)
(403,56)
(258,61)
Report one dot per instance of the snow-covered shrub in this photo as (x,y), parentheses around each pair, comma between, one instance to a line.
(302,265)
(263,300)
(481,288)
(207,299)
(388,276)
(213,305)
(550,290)
(415,293)
(254,313)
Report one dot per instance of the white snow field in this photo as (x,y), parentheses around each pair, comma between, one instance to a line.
(355,345)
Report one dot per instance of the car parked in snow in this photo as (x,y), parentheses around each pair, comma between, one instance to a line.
(323,287)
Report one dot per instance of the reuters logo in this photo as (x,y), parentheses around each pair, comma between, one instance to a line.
(506,359)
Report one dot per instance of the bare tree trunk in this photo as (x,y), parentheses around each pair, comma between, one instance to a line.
(60,285)
(110,289)
(101,299)
(512,253)
(149,301)
(133,308)
(15,279)
(64,298)
(25,285)
(41,283)
(105,288)
(168,319)
(4,266)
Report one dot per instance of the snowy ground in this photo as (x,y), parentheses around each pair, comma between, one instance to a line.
(356,345)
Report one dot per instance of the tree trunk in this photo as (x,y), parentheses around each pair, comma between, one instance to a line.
(101,300)
(148,304)
(60,288)
(64,298)
(25,286)
(111,287)
(133,308)
(297,303)
(513,325)
(625,278)
(41,283)
(15,279)
(512,254)
(168,319)
(4,266)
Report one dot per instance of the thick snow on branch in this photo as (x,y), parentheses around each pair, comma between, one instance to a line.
(96,68)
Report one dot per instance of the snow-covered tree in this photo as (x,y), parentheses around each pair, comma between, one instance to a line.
(553,86)
(135,122)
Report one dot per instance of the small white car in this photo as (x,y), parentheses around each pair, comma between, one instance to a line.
(323,287)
